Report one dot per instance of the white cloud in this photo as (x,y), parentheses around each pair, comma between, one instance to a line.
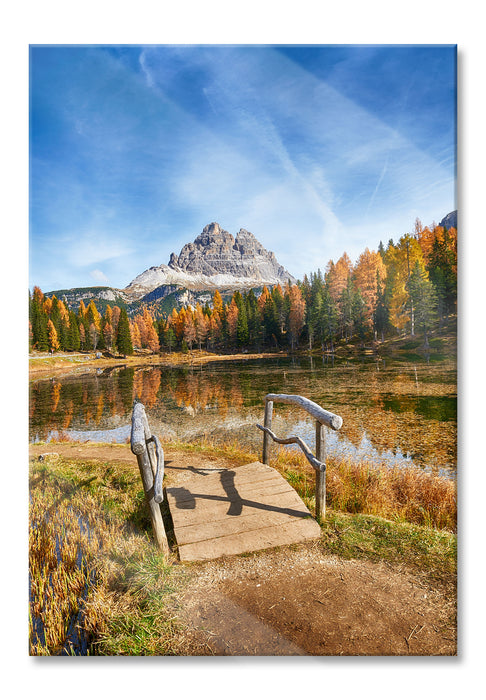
(92,247)
(98,275)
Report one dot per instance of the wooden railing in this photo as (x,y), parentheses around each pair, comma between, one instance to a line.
(150,457)
(318,461)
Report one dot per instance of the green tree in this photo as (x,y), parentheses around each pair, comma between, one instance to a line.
(73,338)
(242,321)
(38,320)
(123,338)
(424,298)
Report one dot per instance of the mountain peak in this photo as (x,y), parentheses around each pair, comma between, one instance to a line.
(215,259)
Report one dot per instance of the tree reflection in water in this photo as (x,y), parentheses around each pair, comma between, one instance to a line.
(396,407)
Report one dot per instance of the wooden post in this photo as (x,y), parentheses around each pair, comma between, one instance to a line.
(320,475)
(139,448)
(266,437)
(154,508)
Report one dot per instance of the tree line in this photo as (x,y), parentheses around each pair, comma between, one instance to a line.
(407,287)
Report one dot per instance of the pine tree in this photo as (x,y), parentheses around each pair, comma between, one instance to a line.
(253,317)
(38,319)
(242,320)
(381,312)
(74,340)
(424,298)
(123,339)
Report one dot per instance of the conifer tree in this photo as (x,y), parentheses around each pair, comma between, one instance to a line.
(38,319)
(74,340)
(123,339)
(189,329)
(424,297)
(242,320)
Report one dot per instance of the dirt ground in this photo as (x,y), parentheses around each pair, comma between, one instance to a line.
(298,600)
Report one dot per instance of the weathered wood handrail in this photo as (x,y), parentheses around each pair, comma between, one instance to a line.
(294,439)
(150,458)
(318,461)
(326,417)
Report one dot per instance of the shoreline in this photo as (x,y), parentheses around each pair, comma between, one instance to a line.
(44,366)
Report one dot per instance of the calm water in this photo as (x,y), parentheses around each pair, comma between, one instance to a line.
(398,411)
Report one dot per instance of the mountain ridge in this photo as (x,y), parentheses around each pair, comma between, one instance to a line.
(215,260)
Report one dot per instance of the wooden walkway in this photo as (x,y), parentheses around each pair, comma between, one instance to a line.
(221,512)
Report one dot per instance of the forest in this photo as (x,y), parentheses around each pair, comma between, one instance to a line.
(405,288)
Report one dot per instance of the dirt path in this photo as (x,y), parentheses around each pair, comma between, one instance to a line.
(297,600)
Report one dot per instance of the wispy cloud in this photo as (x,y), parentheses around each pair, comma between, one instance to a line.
(133,154)
(99,276)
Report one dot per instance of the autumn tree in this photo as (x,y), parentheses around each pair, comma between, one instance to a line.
(52,336)
(369,268)
(232,319)
(296,314)
(218,303)
(201,325)
(189,330)
(337,276)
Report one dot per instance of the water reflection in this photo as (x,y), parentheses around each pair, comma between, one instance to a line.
(403,410)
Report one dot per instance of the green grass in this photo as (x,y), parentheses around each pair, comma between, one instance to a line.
(420,548)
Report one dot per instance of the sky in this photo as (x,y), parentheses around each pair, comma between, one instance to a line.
(317,150)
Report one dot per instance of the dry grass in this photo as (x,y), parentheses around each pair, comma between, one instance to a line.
(407,494)
(97,584)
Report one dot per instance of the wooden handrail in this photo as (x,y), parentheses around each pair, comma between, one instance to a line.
(150,458)
(318,461)
(325,417)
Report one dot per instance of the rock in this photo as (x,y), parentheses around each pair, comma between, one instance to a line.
(47,456)
(216,260)
(450,220)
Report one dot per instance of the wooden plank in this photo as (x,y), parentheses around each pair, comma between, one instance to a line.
(229,490)
(228,483)
(232,526)
(239,510)
(273,536)
(284,503)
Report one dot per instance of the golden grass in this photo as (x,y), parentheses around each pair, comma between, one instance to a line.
(407,494)
(98,585)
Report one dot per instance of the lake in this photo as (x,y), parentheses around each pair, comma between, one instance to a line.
(398,411)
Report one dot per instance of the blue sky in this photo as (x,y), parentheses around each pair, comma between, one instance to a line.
(316,150)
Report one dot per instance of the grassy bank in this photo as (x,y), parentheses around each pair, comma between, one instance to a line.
(98,585)
(44,365)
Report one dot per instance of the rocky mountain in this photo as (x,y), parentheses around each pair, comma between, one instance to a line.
(215,260)
(450,220)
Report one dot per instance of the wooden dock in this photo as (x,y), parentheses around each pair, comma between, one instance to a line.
(219,512)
